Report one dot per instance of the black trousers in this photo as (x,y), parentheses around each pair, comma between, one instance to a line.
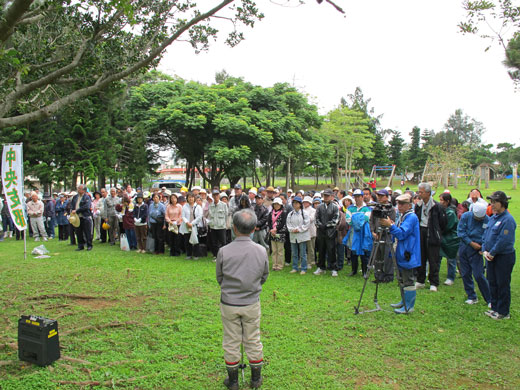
(103,234)
(84,232)
(158,236)
(287,249)
(327,250)
(174,243)
(72,234)
(430,254)
(218,240)
(63,232)
(364,262)
(191,250)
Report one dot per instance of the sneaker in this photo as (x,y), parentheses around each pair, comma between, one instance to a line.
(196,258)
(489,305)
(501,316)
(293,271)
(287,264)
(334,273)
(448,282)
(188,257)
(214,259)
(303,272)
(419,285)
(37,239)
(491,313)
(45,239)
(471,301)
(319,271)
(433,288)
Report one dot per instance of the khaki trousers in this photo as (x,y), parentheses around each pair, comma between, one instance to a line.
(311,260)
(241,325)
(278,254)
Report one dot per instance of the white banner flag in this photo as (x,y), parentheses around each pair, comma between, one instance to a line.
(12,181)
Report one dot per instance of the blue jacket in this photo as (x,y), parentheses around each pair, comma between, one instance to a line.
(471,230)
(60,212)
(408,235)
(499,236)
(359,236)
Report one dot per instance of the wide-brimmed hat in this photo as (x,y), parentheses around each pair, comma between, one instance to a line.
(74,220)
(278,201)
(270,189)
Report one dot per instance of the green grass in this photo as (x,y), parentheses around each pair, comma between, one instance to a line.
(312,339)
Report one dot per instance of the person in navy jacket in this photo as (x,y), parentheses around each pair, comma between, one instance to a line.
(81,206)
(498,248)
(470,231)
(408,251)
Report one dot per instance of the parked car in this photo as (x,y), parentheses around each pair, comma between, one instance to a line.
(172,185)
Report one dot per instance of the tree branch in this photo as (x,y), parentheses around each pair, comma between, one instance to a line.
(12,16)
(102,82)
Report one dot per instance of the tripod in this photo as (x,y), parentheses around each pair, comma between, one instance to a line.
(383,241)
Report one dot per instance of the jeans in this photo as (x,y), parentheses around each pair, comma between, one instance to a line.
(7,223)
(50,224)
(132,240)
(499,275)
(301,249)
(471,262)
(452,268)
(340,252)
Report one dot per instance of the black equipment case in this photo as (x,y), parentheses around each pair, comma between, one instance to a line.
(38,340)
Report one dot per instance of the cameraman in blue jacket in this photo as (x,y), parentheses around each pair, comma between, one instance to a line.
(408,251)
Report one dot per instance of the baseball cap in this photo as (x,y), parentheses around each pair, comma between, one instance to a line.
(270,189)
(479,209)
(405,198)
(278,200)
(237,187)
(382,192)
(388,189)
(328,191)
(307,199)
(499,196)
(359,192)
(253,191)
(259,196)
(215,192)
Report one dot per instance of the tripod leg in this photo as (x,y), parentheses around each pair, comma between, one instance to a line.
(367,276)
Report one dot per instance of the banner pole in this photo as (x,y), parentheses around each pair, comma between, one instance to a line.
(26,231)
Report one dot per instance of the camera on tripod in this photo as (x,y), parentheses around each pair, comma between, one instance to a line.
(381,210)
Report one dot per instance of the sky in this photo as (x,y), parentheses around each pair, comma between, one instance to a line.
(407,56)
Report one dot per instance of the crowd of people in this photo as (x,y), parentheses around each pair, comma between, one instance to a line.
(321,231)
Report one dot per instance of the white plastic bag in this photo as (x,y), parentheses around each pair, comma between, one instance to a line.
(40,250)
(124,243)
(194,239)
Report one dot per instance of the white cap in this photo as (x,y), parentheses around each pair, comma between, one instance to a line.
(446,191)
(317,195)
(203,191)
(347,197)
(399,192)
(289,190)
(307,199)
(358,192)
(278,200)
(118,186)
(253,191)
(196,188)
(479,209)
(388,188)
(224,195)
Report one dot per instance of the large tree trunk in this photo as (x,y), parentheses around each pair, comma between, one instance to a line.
(101,180)
(515,174)
(74,183)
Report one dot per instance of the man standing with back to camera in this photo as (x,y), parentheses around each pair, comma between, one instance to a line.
(242,268)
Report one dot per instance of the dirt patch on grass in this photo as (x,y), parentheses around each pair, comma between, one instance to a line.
(96,304)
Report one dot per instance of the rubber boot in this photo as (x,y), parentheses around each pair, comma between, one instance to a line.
(231,382)
(256,375)
(397,305)
(409,298)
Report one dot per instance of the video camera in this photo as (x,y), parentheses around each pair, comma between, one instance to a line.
(381,210)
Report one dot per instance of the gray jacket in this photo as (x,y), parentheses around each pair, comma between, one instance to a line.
(242,268)
(109,209)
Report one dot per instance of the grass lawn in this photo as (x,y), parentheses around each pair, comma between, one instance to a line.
(154,323)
